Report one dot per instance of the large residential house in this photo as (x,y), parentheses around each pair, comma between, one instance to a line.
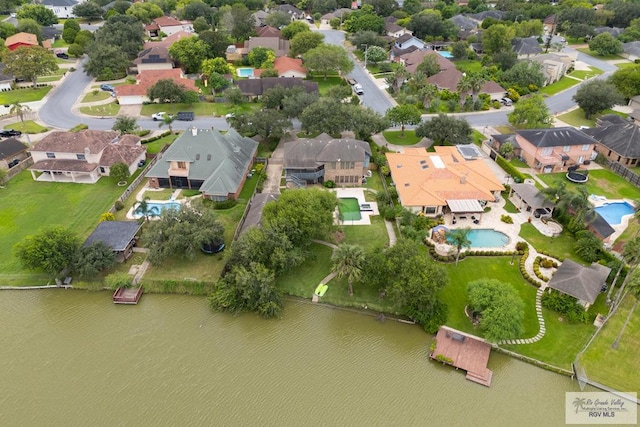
(279,45)
(526,47)
(617,139)
(21,39)
(338,13)
(136,94)
(344,161)
(404,44)
(85,156)
(550,150)
(286,67)
(431,183)
(63,9)
(254,88)
(554,65)
(206,160)
(153,58)
(167,25)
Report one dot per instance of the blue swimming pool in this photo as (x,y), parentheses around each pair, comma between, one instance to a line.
(244,72)
(445,54)
(155,209)
(487,238)
(613,212)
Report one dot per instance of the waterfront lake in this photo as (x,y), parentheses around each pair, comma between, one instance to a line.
(73,358)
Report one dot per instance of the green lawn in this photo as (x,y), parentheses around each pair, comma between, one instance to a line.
(510,207)
(618,368)
(394,137)
(101,95)
(303,280)
(468,66)
(29,126)
(504,129)
(199,108)
(60,43)
(325,85)
(24,95)
(518,163)
(155,146)
(602,182)
(110,109)
(478,137)
(621,65)
(576,117)
(559,247)
(588,51)
(583,74)
(367,236)
(26,206)
(563,84)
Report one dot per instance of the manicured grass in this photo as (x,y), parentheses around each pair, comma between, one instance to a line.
(26,206)
(199,108)
(24,95)
(374,183)
(155,146)
(325,85)
(29,126)
(577,118)
(504,129)
(101,95)
(559,247)
(510,207)
(617,368)
(60,43)
(622,65)
(164,194)
(367,236)
(583,74)
(303,280)
(602,182)
(563,84)
(478,137)
(588,51)
(468,66)
(394,137)
(518,163)
(49,79)
(110,109)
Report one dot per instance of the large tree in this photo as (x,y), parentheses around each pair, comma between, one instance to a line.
(596,96)
(348,263)
(531,113)
(429,24)
(39,13)
(627,81)
(261,57)
(29,62)
(429,65)
(365,122)
(403,115)
(326,58)
(278,19)
(446,129)
(125,124)
(216,43)
(189,52)
(237,21)
(89,10)
(180,233)
(166,91)
(269,124)
(294,28)
(497,38)
(325,115)
(303,42)
(605,44)
(30,26)
(524,74)
(106,62)
(145,12)
(122,31)
(50,249)
(92,259)
(500,308)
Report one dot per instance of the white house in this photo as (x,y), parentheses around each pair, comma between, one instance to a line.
(62,8)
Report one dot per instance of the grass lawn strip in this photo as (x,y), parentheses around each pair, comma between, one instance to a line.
(110,109)
(199,108)
(394,137)
(24,95)
(588,51)
(155,146)
(563,84)
(29,126)
(584,74)
(560,247)
(602,182)
(100,96)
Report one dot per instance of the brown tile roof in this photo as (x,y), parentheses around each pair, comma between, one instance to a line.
(268,31)
(24,38)
(63,165)
(492,87)
(278,45)
(148,78)
(166,21)
(447,79)
(116,153)
(415,58)
(76,142)
(168,41)
(430,179)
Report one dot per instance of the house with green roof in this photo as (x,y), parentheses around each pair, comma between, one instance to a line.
(206,160)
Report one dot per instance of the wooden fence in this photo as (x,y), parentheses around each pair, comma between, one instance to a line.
(625,173)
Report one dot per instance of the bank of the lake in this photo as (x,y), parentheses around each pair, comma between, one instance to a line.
(71,357)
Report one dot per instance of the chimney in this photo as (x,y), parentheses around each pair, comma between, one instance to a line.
(463,179)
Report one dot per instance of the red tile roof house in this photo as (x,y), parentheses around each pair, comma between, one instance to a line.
(286,67)
(167,25)
(168,41)
(136,94)
(83,157)
(21,39)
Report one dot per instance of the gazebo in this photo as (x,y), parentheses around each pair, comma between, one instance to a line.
(529,199)
(582,283)
(117,235)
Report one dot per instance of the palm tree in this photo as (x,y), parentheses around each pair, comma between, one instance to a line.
(167,119)
(143,208)
(19,110)
(427,93)
(397,79)
(633,287)
(631,254)
(477,83)
(348,262)
(459,238)
(417,81)
(463,88)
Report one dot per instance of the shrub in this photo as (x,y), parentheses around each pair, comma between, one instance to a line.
(510,169)
(117,280)
(226,204)
(444,359)
(329,184)
(143,132)
(547,263)
(565,304)
(118,205)
(506,219)
(522,246)
(79,127)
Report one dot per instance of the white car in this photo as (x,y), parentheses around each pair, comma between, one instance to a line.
(358,89)
(159,116)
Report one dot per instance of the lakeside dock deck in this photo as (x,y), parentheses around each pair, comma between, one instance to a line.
(466,352)
(127,295)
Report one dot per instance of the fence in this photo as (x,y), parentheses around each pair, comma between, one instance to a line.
(625,173)
(19,167)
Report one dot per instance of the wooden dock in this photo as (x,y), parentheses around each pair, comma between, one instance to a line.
(127,295)
(464,351)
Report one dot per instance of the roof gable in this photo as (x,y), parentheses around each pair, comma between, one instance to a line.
(555,137)
(526,46)
(583,283)
(309,153)
(624,139)
(77,142)
(11,147)
(23,38)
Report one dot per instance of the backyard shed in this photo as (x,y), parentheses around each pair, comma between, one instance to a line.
(582,283)
(118,235)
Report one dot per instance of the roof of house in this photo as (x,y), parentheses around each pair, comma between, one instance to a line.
(623,138)
(430,179)
(10,147)
(24,38)
(507,137)
(268,31)
(338,13)
(77,142)
(532,196)
(491,87)
(310,153)
(632,48)
(220,160)
(464,22)
(115,234)
(481,16)
(256,87)
(168,41)
(526,46)
(153,55)
(413,59)
(254,216)
(64,165)
(120,153)
(147,78)
(59,3)
(614,31)
(259,17)
(289,9)
(278,45)
(167,21)
(284,64)
(556,137)
(550,20)
(392,27)
(612,119)
(583,283)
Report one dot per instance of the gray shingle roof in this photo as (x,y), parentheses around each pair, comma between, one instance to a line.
(530,194)
(583,283)
(556,137)
(526,46)
(310,153)
(115,234)
(59,3)
(221,161)
(624,139)
(464,22)
(254,216)
(631,48)
(10,147)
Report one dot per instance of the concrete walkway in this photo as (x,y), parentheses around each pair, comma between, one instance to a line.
(542,329)
(391,232)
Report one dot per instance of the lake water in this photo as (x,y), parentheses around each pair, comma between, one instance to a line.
(73,358)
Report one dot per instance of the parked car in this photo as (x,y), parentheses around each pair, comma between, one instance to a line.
(358,89)
(186,116)
(6,133)
(141,163)
(62,55)
(13,163)
(160,116)
(107,88)
(506,102)
(351,82)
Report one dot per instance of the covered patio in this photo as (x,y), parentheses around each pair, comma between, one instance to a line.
(528,198)
(465,209)
(120,236)
(65,170)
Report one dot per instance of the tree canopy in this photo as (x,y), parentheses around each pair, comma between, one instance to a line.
(39,13)
(500,307)
(189,52)
(406,114)
(166,91)
(627,81)
(446,129)
(605,44)
(325,59)
(50,249)
(597,95)
(29,62)
(304,41)
(91,260)
(531,113)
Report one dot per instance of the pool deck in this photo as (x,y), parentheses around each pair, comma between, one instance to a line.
(598,201)
(140,196)
(356,193)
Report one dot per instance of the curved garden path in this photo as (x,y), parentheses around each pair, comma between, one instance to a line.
(542,329)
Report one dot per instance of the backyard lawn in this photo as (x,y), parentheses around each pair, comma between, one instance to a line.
(518,163)
(29,126)
(303,280)
(24,95)
(199,108)
(155,146)
(325,84)
(393,137)
(562,84)
(617,368)
(577,118)
(468,66)
(588,51)
(602,182)
(367,236)
(559,247)
(110,109)
(26,206)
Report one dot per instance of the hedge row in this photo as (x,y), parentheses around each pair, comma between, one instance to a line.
(559,258)
(523,269)
(510,169)
(536,269)
(155,138)
(463,255)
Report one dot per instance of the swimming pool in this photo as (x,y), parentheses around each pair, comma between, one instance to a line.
(445,54)
(487,238)
(613,212)
(244,72)
(156,208)
(349,209)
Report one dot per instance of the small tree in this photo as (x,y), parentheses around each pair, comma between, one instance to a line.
(166,90)
(376,54)
(348,262)
(119,171)
(596,96)
(167,120)
(459,238)
(234,96)
(531,113)
(429,65)
(605,44)
(91,260)
(500,308)
(51,249)
(125,124)
(407,114)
